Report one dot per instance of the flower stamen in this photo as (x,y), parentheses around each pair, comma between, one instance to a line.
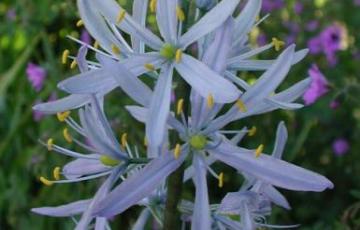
(115,49)
(46,181)
(73,64)
(252,131)
(259,150)
(79,23)
(178,56)
(177,151)
(210,101)
(56,173)
(63,115)
(50,144)
(278,44)
(65,56)
(221,180)
(149,67)
(67,135)
(241,105)
(180,14)
(124,140)
(180,106)
(121,16)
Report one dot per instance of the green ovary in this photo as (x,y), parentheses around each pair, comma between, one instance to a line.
(108,161)
(168,51)
(198,142)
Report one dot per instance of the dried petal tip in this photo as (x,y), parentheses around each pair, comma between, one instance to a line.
(63,115)
(149,67)
(153,6)
(241,105)
(278,44)
(252,131)
(56,173)
(177,151)
(124,140)
(67,135)
(46,181)
(79,23)
(210,101)
(221,180)
(259,150)
(180,106)
(65,56)
(121,16)
(50,144)
(180,14)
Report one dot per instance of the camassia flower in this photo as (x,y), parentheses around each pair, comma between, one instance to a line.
(204,135)
(105,158)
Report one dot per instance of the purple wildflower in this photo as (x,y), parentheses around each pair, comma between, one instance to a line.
(271,5)
(334,104)
(312,25)
(318,87)
(85,37)
(298,7)
(11,14)
(357,2)
(340,146)
(262,39)
(36,76)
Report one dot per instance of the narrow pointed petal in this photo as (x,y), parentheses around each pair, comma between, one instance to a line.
(281,139)
(110,10)
(81,59)
(66,210)
(139,13)
(139,186)
(64,104)
(276,197)
(212,20)
(101,223)
(142,219)
(273,171)
(201,215)
(83,167)
(96,25)
(167,20)
(127,81)
(159,108)
(140,114)
(247,18)
(283,105)
(205,81)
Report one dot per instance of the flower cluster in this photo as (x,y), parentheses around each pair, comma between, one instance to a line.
(200,55)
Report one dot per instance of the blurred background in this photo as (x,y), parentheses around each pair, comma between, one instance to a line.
(322,137)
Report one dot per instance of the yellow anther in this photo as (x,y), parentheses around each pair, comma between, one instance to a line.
(63,115)
(180,14)
(178,55)
(180,106)
(149,67)
(50,144)
(210,101)
(241,105)
(121,16)
(145,142)
(177,151)
(221,180)
(65,56)
(67,135)
(96,45)
(278,44)
(115,49)
(252,131)
(79,23)
(73,64)
(56,173)
(259,150)
(124,140)
(153,6)
(46,181)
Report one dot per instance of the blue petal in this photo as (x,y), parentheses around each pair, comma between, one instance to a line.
(66,210)
(139,14)
(167,20)
(64,104)
(281,139)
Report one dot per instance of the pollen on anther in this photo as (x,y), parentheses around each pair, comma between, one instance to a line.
(79,23)
(115,49)
(221,180)
(210,101)
(121,16)
(259,150)
(50,144)
(73,64)
(124,140)
(65,56)
(180,14)
(67,135)
(278,44)
(180,106)
(145,142)
(63,115)
(46,181)
(252,131)
(178,56)
(153,6)
(241,105)
(177,151)
(56,173)
(149,67)
(96,45)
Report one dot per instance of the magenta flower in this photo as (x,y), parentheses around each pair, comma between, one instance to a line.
(36,76)
(334,104)
(318,87)
(340,146)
